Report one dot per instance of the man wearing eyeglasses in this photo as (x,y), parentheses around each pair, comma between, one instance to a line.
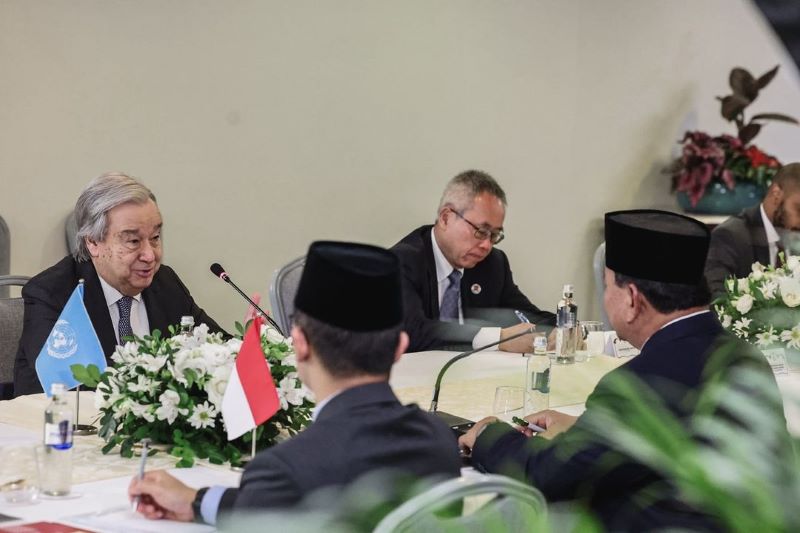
(127,291)
(458,287)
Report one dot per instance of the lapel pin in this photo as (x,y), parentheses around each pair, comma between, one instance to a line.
(476,289)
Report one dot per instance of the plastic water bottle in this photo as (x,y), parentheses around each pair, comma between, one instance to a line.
(537,382)
(567,327)
(187,325)
(55,464)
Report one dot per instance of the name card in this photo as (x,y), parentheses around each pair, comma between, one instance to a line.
(616,347)
(776,357)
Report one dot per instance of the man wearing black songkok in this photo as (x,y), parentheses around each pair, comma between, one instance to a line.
(347,333)
(657,299)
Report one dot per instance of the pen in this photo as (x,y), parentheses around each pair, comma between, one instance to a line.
(522,318)
(530,425)
(142,462)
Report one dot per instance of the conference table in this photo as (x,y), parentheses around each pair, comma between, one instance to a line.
(100,481)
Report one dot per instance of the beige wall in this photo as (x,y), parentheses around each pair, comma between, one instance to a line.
(264,125)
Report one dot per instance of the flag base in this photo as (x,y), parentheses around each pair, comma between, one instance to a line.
(82,430)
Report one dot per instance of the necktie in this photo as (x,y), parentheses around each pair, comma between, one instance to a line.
(449,308)
(124,328)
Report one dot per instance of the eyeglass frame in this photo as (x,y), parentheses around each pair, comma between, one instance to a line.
(495,237)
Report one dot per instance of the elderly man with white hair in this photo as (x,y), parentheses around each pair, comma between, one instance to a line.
(127,291)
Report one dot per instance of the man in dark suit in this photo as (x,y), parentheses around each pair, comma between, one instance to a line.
(347,333)
(752,235)
(658,303)
(126,288)
(457,286)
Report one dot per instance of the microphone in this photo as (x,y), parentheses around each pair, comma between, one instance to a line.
(458,424)
(218,271)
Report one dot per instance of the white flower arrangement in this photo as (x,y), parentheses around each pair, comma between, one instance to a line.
(170,390)
(764,307)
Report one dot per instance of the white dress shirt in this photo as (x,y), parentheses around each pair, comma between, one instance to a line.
(139,323)
(443,269)
(772,236)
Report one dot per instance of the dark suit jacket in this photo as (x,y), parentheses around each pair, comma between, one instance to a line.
(166,300)
(361,430)
(623,493)
(494,305)
(736,244)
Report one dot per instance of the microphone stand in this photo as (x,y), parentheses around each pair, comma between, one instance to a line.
(226,278)
(458,424)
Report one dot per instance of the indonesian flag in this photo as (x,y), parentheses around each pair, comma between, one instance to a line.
(250,398)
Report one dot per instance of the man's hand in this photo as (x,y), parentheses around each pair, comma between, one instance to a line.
(523,344)
(467,441)
(553,421)
(163,496)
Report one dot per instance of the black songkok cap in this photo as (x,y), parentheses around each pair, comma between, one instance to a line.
(351,286)
(656,246)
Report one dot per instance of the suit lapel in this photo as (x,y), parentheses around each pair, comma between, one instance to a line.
(95,302)
(155,312)
(758,235)
(431,282)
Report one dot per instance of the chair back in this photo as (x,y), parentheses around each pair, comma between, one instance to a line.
(11,311)
(71,232)
(511,506)
(599,265)
(5,254)
(282,290)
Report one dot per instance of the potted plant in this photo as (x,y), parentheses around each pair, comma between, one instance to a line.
(725,174)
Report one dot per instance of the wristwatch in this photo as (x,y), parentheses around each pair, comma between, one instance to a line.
(197,503)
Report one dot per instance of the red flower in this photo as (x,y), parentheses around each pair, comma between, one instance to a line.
(758,158)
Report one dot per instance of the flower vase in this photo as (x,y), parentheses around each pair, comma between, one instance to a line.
(719,200)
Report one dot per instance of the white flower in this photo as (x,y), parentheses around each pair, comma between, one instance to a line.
(726,321)
(152,363)
(769,289)
(142,411)
(272,335)
(215,387)
(757,267)
(203,416)
(757,275)
(291,391)
(790,291)
(766,337)
(168,410)
(143,384)
(743,284)
(741,325)
(792,337)
(793,263)
(744,303)
(729,284)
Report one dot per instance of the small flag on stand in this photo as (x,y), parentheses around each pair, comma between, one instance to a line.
(251,397)
(72,341)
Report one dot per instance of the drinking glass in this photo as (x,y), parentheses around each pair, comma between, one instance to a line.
(587,328)
(508,402)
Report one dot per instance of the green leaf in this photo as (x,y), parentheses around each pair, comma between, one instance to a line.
(82,374)
(108,447)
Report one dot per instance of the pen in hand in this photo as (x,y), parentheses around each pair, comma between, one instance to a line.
(521,316)
(530,425)
(142,462)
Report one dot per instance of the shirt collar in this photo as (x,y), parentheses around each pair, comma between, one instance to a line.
(769,229)
(321,405)
(443,266)
(675,320)
(111,294)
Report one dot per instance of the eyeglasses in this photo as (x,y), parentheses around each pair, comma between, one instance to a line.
(482,233)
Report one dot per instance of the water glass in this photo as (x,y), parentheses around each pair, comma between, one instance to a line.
(588,327)
(508,402)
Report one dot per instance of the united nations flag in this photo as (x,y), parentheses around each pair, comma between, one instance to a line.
(71,341)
